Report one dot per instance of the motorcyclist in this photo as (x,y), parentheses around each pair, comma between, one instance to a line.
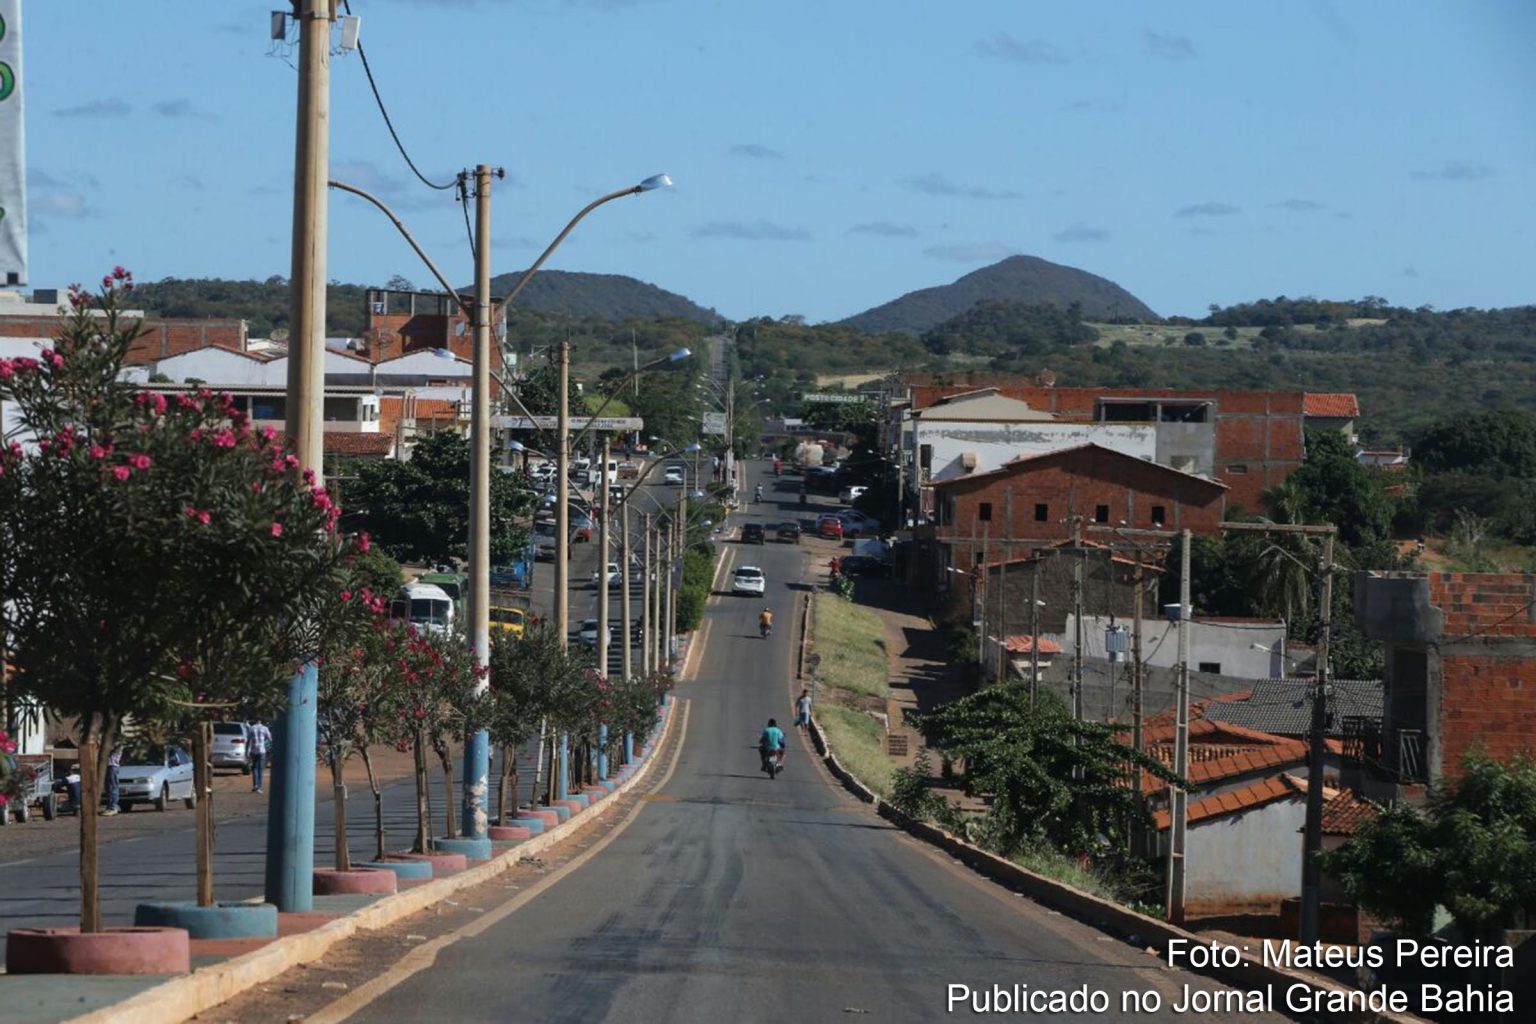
(765,622)
(770,742)
(758,494)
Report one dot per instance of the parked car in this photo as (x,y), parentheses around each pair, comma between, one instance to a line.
(628,471)
(850,494)
(588,632)
(749,580)
(232,746)
(857,524)
(512,621)
(155,774)
(752,533)
(789,533)
(864,565)
(829,527)
(672,475)
(581,528)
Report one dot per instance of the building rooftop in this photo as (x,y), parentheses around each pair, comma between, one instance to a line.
(1284,706)
(1025,644)
(1335,405)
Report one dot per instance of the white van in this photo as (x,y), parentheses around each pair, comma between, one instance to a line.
(426,606)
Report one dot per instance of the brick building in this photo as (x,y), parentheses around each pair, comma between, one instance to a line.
(1043,499)
(161,339)
(400,323)
(1461,676)
(1249,440)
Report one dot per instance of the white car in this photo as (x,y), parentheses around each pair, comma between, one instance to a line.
(155,775)
(615,575)
(588,634)
(749,580)
(672,475)
(851,493)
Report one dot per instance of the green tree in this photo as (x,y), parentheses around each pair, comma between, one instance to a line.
(418,510)
(1050,777)
(154,554)
(1473,851)
(1332,487)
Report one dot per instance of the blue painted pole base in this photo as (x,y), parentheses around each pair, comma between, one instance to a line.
(220,921)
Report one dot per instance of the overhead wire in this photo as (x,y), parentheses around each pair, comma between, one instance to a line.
(368,71)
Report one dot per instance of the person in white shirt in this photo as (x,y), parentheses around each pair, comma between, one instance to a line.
(261,742)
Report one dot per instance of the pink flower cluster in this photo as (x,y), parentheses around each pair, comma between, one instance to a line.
(322,500)
(21,364)
(201,515)
(153,400)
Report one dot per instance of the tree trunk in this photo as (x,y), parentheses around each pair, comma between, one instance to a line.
(378,804)
(501,787)
(422,810)
(339,809)
(445,755)
(202,785)
(90,808)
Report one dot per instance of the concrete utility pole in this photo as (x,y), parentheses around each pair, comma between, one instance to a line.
(648,572)
(1312,831)
(1077,615)
(603,602)
(1180,808)
(559,764)
(289,881)
(624,613)
(477,750)
(1034,630)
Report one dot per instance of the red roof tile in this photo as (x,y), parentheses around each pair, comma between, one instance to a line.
(1345,813)
(1025,644)
(1265,791)
(1334,404)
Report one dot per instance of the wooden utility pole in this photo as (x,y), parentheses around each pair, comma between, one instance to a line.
(1312,830)
(647,571)
(1034,630)
(90,811)
(202,771)
(1180,809)
(1136,708)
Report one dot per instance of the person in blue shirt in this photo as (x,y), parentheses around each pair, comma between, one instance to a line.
(771,741)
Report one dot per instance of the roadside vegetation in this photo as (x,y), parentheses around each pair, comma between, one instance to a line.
(853,675)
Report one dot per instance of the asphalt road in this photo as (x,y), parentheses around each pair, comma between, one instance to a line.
(735,897)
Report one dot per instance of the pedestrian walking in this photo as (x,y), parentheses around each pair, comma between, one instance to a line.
(261,742)
(114,761)
(803,709)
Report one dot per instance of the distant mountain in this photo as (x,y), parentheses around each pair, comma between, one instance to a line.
(610,296)
(1025,279)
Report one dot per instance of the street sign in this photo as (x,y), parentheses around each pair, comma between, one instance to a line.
(835,397)
(600,423)
(714,423)
(814,661)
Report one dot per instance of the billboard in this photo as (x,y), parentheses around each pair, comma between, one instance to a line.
(598,423)
(714,423)
(835,397)
(13,150)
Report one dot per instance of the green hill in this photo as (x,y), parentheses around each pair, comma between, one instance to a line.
(610,296)
(1021,279)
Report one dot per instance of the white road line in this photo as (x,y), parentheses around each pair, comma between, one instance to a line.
(424,956)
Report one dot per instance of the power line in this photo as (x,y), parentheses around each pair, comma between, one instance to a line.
(390,124)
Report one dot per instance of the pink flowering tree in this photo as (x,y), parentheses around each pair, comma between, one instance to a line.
(10,777)
(155,550)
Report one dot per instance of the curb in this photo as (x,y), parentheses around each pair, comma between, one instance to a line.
(188,995)
(1251,974)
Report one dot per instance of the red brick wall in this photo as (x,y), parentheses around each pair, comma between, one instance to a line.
(1488,698)
(1076,481)
(161,338)
(1261,431)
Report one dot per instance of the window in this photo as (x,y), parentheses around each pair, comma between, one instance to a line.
(1213,667)
(1101,513)
(1159,515)
(1042,513)
(984,512)
(1237,469)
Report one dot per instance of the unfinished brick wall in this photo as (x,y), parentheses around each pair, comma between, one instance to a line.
(160,338)
(1487,665)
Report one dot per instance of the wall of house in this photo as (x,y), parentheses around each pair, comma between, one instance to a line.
(996,443)
(1224,644)
(1132,492)
(1247,860)
(222,368)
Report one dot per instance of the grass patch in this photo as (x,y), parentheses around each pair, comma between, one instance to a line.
(851,642)
(859,743)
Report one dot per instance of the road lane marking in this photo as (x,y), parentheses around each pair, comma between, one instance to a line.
(714,584)
(700,638)
(424,956)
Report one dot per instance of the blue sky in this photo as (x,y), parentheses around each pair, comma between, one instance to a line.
(829,156)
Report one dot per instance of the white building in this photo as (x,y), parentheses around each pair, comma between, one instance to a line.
(1223,646)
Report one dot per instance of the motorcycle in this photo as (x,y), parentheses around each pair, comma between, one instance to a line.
(773,763)
(765,629)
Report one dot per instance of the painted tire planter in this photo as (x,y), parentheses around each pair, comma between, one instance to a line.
(359,881)
(439,862)
(409,870)
(512,833)
(562,810)
(467,846)
(114,951)
(220,921)
(544,814)
(574,806)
